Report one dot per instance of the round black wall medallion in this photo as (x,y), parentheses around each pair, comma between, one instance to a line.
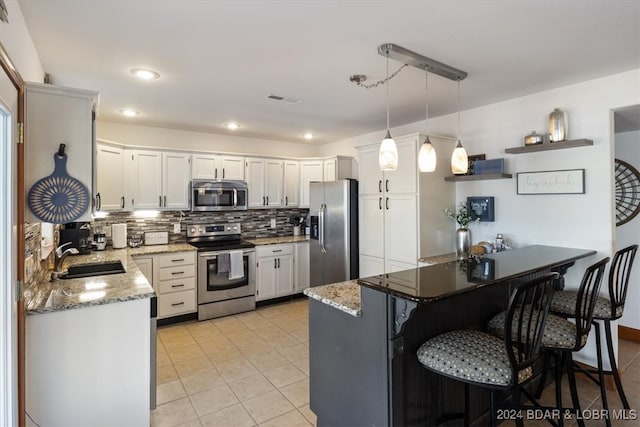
(627,192)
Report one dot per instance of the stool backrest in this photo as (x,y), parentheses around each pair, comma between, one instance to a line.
(619,278)
(526,316)
(586,300)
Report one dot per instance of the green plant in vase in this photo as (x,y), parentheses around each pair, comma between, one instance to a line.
(463,234)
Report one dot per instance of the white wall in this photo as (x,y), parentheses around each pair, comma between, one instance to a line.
(187,140)
(17,41)
(627,148)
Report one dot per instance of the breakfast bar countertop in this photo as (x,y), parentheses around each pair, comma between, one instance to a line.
(344,296)
(61,295)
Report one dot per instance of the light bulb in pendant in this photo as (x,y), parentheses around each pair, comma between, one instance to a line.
(388,154)
(459,160)
(427,156)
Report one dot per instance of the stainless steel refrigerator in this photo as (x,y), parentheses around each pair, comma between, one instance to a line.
(333,213)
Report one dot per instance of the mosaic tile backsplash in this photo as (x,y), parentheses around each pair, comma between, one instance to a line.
(255,223)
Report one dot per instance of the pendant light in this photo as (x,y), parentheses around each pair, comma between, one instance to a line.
(388,153)
(427,155)
(459,158)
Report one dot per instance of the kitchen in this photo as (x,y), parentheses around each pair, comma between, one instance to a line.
(488,129)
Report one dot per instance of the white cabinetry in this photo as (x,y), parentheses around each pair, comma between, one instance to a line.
(217,166)
(291,183)
(274,271)
(55,115)
(401,212)
(158,180)
(301,266)
(175,283)
(110,178)
(145,265)
(265,181)
(330,169)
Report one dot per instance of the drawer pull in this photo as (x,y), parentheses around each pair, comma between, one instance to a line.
(175,304)
(177,272)
(177,260)
(277,250)
(178,286)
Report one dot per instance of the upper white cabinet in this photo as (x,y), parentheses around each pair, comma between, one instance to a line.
(291,183)
(265,182)
(55,115)
(110,178)
(158,180)
(217,166)
(401,211)
(331,169)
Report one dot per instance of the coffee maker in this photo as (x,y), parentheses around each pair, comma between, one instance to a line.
(77,233)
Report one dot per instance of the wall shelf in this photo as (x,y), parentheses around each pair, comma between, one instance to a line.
(549,146)
(478,177)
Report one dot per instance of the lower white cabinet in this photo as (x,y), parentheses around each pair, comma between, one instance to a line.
(301,266)
(173,277)
(371,265)
(274,271)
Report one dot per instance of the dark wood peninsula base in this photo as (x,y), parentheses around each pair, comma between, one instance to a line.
(364,369)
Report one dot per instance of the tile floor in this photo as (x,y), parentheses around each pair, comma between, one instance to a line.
(253,369)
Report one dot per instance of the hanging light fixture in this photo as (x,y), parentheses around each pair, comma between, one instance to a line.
(459,158)
(427,155)
(388,153)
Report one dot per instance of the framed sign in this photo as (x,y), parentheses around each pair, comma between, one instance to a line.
(568,181)
(481,208)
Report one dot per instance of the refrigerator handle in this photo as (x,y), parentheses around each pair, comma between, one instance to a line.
(321,218)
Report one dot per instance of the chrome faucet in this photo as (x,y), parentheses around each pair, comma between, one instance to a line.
(60,257)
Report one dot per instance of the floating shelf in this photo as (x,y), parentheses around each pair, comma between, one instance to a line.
(478,177)
(549,146)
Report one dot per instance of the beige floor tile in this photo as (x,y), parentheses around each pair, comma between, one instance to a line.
(297,393)
(284,375)
(165,374)
(217,344)
(210,401)
(270,311)
(236,370)
(301,334)
(187,352)
(192,423)
(168,392)
(162,359)
(267,406)
(295,352)
(190,366)
(270,332)
(232,416)
(220,357)
(172,330)
(255,351)
(173,413)
(306,411)
(303,365)
(283,341)
(172,343)
(290,419)
(250,387)
(202,380)
(268,361)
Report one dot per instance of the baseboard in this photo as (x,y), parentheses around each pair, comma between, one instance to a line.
(628,334)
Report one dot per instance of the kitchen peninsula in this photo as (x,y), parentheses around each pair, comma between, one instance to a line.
(363,364)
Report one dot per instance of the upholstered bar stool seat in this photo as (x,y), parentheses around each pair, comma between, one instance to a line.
(564,302)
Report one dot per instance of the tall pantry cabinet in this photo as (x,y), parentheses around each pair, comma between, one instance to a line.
(402,212)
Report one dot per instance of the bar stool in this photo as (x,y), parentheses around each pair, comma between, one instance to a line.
(478,358)
(606,310)
(561,337)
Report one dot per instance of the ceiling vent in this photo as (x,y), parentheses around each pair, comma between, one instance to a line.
(287,99)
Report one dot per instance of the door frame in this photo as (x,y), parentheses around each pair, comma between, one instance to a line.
(16,79)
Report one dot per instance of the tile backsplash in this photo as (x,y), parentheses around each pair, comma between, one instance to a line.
(255,223)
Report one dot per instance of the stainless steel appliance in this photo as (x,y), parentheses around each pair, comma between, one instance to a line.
(209,195)
(333,211)
(77,234)
(226,270)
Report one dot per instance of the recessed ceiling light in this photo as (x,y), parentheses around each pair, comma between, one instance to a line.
(145,74)
(308,135)
(232,125)
(129,113)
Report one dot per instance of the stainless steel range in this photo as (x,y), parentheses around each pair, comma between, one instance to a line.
(226,270)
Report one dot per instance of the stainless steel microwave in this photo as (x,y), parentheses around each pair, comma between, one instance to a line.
(209,195)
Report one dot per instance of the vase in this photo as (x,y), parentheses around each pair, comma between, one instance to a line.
(463,243)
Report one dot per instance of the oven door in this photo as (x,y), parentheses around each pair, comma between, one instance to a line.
(214,286)
(218,195)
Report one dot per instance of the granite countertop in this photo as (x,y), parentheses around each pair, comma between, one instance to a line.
(438,259)
(276,240)
(344,296)
(70,294)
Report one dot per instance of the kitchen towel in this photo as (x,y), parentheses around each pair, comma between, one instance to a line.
(237,266)
(119,236)
(223,264)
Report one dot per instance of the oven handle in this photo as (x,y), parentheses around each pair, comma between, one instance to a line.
(215,254)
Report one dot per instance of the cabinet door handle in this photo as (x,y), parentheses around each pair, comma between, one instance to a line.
(216,174)
(165,201)
(178,286)
(380,203)
(175,304)
(386,203)
(160,200)
(98,201)
(222,173)
(263,200)
(177,260)
(177,272)
(278,262)
(122,202)
(286,200)
(267,200)
(380,186)
(386,185)
(275,263)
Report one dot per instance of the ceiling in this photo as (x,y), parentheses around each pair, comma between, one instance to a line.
(219,60)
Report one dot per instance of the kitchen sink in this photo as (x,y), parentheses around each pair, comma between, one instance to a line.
(96,269)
